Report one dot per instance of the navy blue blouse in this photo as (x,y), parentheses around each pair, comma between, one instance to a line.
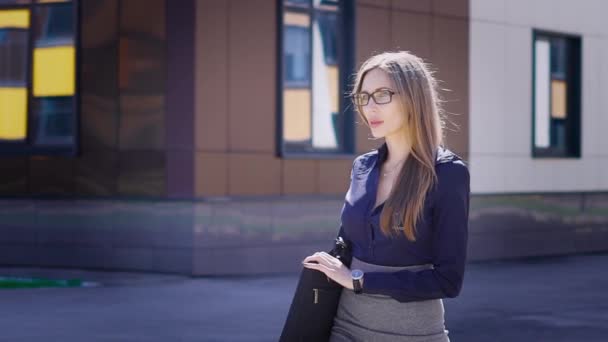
(441,233)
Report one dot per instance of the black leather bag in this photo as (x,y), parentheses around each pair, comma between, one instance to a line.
(315,302)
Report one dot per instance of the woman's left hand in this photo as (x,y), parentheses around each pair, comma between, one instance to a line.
(331,266)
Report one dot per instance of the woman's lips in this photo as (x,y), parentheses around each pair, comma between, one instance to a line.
(375,123)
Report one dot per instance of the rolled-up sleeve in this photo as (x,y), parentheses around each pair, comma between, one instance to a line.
(450,235)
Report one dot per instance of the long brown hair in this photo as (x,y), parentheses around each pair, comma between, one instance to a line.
(417,93)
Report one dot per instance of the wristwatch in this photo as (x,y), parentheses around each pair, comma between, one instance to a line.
(357,276)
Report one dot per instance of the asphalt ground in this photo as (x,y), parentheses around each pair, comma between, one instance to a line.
(537,299)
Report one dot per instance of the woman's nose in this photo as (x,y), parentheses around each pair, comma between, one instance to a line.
(372,107)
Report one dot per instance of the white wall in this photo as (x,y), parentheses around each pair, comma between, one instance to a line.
(501,96)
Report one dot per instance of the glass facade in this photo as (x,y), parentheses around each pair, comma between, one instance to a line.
(38,107)
(314,58)
(556,95)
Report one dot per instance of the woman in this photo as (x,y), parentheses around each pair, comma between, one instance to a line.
(405,213)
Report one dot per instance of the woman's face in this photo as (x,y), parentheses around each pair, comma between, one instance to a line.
(387,118)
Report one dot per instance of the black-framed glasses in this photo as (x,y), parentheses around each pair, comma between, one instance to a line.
(380,96)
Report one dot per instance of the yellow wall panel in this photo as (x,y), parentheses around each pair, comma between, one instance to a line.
(558,99)
(334,87)
(13,113)
(296,19)
(14,18)
(296,114)
(54,71)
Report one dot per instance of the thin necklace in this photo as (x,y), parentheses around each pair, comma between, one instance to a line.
(384,174)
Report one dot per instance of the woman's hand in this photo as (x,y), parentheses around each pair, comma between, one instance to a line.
(331,266)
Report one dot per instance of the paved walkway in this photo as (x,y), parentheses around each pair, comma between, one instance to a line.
(551,299)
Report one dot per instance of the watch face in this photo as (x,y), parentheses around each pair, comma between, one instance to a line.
(357,274)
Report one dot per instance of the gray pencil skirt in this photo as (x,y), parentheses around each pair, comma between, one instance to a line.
(371,317)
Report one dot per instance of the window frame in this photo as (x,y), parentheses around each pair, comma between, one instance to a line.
(573,77)
(346,65)
(27,146)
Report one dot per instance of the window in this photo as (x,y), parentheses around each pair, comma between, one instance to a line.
(556,89)
(317,54)
(38,107)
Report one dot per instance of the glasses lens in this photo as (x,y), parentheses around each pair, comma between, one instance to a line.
(382,96)
(361,99)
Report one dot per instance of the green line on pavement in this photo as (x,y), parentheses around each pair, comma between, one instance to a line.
(17,283)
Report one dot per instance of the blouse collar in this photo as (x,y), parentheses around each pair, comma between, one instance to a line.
(442,154)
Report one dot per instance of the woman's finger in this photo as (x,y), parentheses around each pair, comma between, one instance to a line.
(330,260)
(319,267)
(324,259)
(314,255)
(319,258)
(325,269)
(312,258)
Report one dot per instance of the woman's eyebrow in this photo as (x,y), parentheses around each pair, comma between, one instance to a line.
(379,88)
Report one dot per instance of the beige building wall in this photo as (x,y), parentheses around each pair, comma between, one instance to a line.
(501,96)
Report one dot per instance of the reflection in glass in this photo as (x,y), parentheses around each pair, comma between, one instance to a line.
(296,93)
(328,21)
(54,23)
(297,3)
(54,74)
(13,54)
(541,93)
(311,77)
(559,55)
(556,95)
(14,35)
(55,120)
(297,56)
(558,134)
(325,84)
